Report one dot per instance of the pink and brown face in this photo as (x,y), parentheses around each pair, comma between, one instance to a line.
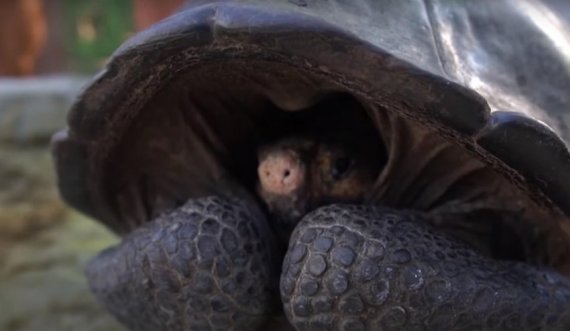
(299,174)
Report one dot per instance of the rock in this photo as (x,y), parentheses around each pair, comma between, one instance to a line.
(32,109)
(43,245)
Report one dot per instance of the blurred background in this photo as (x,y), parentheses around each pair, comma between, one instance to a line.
(49,49)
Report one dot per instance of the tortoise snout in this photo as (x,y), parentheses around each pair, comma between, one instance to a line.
(281,172)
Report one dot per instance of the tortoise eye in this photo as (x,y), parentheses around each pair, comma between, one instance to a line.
(340,167)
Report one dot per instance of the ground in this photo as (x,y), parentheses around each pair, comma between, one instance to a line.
(43,245)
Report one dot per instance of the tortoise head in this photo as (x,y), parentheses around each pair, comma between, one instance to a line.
(182,109)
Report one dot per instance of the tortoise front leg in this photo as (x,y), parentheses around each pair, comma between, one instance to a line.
(208,265)
(366,268)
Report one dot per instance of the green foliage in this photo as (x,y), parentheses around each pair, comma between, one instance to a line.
(94,29)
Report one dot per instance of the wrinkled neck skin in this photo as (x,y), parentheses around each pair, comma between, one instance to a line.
(465,197)
(307,170)
(168,157)
(422,172)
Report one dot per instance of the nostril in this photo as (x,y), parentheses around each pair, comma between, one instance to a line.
(280,173)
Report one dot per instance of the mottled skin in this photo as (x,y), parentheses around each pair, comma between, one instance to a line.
(208,266)
(213,264)
(155,138)
(369,268)
(298,174)
(341,245)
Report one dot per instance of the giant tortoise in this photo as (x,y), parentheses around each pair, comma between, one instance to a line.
(464,223)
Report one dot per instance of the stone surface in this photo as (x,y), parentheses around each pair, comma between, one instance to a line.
(33,109)
(43,245)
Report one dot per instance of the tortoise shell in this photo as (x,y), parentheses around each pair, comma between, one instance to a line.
(457,93)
